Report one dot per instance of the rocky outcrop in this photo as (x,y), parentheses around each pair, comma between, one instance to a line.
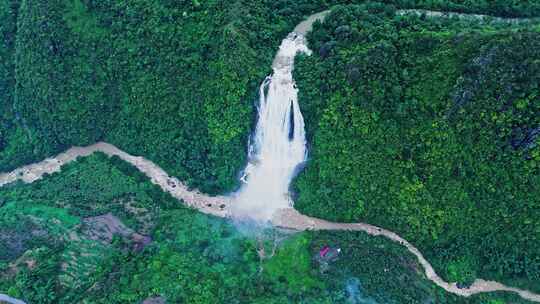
(525,139)
(154,300)
(103,228)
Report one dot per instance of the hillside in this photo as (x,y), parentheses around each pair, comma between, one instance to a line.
(172,80)
(428,127)
(117,238)
(421,123)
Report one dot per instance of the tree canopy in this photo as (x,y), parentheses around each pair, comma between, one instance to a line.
(427,127)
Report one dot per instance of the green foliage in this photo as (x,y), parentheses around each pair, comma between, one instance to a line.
(15,144)
(55,219)
(82,22)
(192,257)
(38,285)
(422,126)
(157,78)
(425,127)
(292,266)
(461,271)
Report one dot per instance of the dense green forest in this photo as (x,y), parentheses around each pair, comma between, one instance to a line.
(56,248)
(428,127)
(161,79)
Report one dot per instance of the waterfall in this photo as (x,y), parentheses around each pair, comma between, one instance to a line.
(278,145)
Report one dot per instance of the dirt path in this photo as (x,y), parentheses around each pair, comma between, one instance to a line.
(219,206)
(287,218)
(7,299)
(292,219)
(484,18)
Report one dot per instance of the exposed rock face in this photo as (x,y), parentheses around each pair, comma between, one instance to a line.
(104,227)
(154,300)
(525,138)
(466,88)
(140,241)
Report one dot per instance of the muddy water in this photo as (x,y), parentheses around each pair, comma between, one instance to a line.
(220,205)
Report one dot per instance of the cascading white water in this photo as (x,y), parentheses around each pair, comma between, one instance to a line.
(279,143)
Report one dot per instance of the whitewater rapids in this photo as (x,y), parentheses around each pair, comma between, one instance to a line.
(278,145)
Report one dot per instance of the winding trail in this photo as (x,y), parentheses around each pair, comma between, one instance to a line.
(8,299)
(217,205)
(220,206)
(285,218)
(483,18)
